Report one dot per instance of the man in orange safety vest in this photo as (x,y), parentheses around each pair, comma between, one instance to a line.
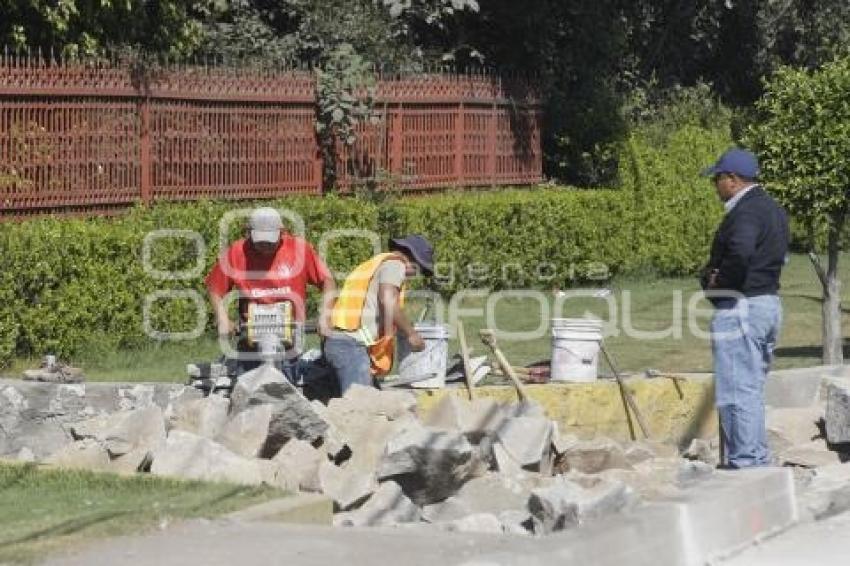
(368,312)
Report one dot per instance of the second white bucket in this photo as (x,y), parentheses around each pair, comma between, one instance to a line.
(575,349)
(433,359)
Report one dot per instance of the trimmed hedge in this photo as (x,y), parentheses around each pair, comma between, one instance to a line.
(675,212)
(542,238)
(74,285)
(70,285)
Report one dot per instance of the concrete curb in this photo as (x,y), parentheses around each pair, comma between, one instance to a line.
(799,387)
(715,519)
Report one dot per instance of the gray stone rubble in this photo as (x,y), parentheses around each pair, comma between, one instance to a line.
(477,466)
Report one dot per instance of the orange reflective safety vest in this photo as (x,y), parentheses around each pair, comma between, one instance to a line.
(348,312)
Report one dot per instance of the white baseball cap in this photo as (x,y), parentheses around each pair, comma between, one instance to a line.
(265,224)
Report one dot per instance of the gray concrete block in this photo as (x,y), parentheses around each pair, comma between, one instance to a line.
(36,415)
(799,387)
(735,508)
(838,411)
(387,506)
(709,521)
(652,537)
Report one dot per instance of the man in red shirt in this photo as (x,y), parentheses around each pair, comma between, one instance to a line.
(269,266)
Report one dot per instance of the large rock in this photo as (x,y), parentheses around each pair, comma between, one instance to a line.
(392,405)
(387,506)
(809,455)
(675,471)
(657,478)
(136,396)
(347,485)
(504,463)
(87,454)
(363,429)
(592,456)
(446,511)
(333,442)
(690,473)
(636,453)
(792,426)
(799,387)
(482,416)
(191,456)
(561,441)
(292,414)
(12,404)
(838,411)
(247,432)
(125,431)
(204,417)
(526,439)
(138,460)
(39,415)
(302,461)
(495,493)
(828,494)
(429,464)
(642,450)
(32,415)
(701,450)
(565,504)
(279,475)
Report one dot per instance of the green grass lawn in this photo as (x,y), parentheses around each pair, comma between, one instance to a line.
(648,305)
(651,309)
(42,510)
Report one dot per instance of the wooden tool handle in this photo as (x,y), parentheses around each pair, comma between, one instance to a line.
(464,354)
(509,371)
(626,393)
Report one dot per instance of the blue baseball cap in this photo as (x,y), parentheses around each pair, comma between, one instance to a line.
(738,161)
(418,248)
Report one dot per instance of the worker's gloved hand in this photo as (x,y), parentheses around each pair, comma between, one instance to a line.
(417,344)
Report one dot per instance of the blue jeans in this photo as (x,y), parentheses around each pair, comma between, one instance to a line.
(743,337)
(349,360)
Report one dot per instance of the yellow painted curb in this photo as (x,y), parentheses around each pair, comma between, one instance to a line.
(591,409)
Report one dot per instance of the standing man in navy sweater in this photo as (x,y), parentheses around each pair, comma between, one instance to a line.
(742,280)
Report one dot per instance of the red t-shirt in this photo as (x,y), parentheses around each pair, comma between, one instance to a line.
(266,280)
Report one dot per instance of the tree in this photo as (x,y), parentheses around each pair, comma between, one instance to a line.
(803,136)
(89,28)
(392,33)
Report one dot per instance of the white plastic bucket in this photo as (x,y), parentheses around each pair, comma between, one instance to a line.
(432,360)
(575,349)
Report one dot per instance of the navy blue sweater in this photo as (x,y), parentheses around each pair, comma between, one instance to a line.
(750,246)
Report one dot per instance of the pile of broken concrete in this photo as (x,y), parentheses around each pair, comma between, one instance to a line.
(468,466)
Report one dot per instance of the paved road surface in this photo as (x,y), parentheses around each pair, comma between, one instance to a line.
(227,542)
(825,543)
(236,543)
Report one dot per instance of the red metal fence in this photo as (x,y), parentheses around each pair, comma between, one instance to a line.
(96,138)
(450,130)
